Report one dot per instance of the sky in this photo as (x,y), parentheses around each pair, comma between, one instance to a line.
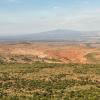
(32,16)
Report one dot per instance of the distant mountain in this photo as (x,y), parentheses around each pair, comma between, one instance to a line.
(57,35)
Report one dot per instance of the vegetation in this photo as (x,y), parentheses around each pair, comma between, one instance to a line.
(92,57)
(49,81)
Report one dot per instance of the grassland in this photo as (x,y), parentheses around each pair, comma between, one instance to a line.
(49,81)
(49,71)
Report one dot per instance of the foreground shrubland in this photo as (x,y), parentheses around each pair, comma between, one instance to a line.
(49,81)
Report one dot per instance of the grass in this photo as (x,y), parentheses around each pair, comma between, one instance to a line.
(49,81)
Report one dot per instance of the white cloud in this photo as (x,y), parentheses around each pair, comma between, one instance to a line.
(56,7)
(8,1)
(12,1)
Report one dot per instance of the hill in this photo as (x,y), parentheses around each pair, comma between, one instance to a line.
(57,35)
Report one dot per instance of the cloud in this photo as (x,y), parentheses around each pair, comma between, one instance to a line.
(98,10)
(56,7)
(8,1)
(11,1)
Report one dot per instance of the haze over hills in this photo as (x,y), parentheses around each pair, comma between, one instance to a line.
(57,35)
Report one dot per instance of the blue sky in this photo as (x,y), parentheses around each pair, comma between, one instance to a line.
(30,16)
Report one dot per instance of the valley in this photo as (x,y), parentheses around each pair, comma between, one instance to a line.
(55,52)
(49,71)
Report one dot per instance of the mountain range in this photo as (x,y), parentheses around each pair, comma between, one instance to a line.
(57,35)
